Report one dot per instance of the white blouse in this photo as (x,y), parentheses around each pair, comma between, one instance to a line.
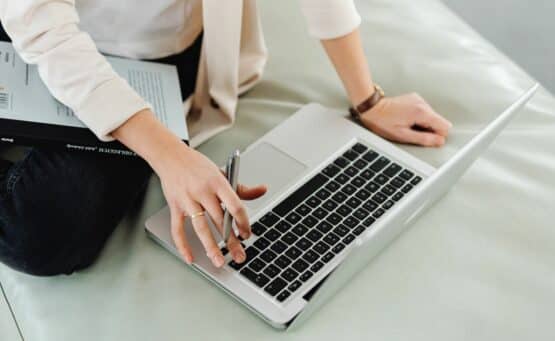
(64,37)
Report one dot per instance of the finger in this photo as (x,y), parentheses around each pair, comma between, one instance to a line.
(237,209)
(178,234)
(251,193)
(422,138)
(200,224)
(432,120)
(214,209)
(235,248)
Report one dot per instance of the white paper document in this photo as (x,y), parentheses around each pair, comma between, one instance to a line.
(24,97)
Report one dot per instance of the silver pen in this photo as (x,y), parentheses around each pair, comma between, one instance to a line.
(232,173)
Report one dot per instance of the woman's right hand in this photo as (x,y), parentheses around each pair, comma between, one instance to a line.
(191,184)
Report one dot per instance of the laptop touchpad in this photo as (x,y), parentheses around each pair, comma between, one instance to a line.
(266,164)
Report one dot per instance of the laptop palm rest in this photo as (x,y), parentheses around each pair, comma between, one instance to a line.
(266,164)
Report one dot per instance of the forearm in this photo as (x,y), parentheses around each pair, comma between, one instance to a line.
(149,138)
(347,55)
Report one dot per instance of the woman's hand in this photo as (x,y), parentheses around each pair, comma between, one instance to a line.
(407,119)
(191,184)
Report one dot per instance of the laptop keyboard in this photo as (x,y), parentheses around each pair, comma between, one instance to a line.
(321,218)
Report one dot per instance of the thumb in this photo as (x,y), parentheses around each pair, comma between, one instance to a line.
(422,138)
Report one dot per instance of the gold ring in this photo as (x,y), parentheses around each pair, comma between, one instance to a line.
(198,214)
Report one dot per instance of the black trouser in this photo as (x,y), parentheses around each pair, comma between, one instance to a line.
(58,208)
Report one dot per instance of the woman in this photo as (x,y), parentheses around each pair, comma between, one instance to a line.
(57,208)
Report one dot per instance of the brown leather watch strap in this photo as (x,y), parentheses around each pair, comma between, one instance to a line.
(367,104)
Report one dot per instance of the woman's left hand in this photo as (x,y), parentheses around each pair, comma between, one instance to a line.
(407,119)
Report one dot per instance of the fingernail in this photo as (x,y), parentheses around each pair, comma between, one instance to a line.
(218,260)
(239,256)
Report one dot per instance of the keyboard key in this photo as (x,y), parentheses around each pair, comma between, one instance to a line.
(293,218)
(300,265)
(316,266)
(258,279)
(303,244)
(344,210)
(303,210)
(359,148)
(327,257)
(293,252)
(379,198)
(368,222)
(406,174)
(268,256)
(309,221)
(278,247)
(354,202)
(332,186)
(341,230)
(256,265)
(407,188)
(283,226)
(339,197)
(358,182)
(363,194)
(224,251)
(358,231)
(289,274)
(398,196)
(381,179)
(378,213)
(351,171)
(367,174)
(397,182)
(310,256)
(348,239)
(379,164)
(351,222)
(313,201)
(283,295)
(331,170)
(275,286)
(388,204)
(338,248)
(314,235)
(415,181)
(388,190)
(372,187)
(236,266)
(300,230)
(269,219)
(321,247)
(271,271)
(306,276)
(370,206)
(320,213)
(370,156)
(289,238)
(360,163)
(341,162)
(392,170)
(330,205)
(258,229)
(323,194)
(350,154)
(272,235)
(333,219)
(261,243)
(250,253)
(348,189)
(300,194)
(324,227)
(331,239)
(282,262)
(342,178)
(361,214)
(294,286)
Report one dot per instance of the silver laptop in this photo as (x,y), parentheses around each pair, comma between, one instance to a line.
(338,195)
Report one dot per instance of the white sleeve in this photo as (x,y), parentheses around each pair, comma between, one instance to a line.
(328,19)
(45,33)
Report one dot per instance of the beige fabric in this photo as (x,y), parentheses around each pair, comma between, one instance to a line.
(232,61)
